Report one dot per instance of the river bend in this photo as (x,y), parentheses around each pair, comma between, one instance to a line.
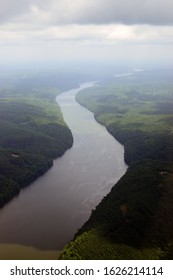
(47,214)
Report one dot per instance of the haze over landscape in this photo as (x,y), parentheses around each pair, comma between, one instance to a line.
(86,129)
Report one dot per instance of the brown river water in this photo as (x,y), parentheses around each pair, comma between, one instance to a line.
(46,214)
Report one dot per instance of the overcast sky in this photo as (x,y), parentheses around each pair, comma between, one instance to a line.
(118,30)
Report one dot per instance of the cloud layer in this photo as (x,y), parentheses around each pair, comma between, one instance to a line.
(86,28)
(153,12)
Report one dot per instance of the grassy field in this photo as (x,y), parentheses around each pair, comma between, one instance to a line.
(135,220)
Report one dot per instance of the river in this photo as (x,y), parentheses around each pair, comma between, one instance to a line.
(47,214)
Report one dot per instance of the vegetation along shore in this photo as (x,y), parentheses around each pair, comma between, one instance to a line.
(32,134)
(135,220)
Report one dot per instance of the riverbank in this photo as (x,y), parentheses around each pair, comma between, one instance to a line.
(33,133)
(74,185)
(135,220)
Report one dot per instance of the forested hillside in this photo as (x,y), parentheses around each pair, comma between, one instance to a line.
(32,134)
(135,220)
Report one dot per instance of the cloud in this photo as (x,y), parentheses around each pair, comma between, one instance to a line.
(129,12)
(107,21)
(11,9)
(102,34)
(154,12)
(108,34)
(73,28)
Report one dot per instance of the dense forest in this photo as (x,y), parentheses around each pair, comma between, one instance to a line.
(32,134)
(135,220)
